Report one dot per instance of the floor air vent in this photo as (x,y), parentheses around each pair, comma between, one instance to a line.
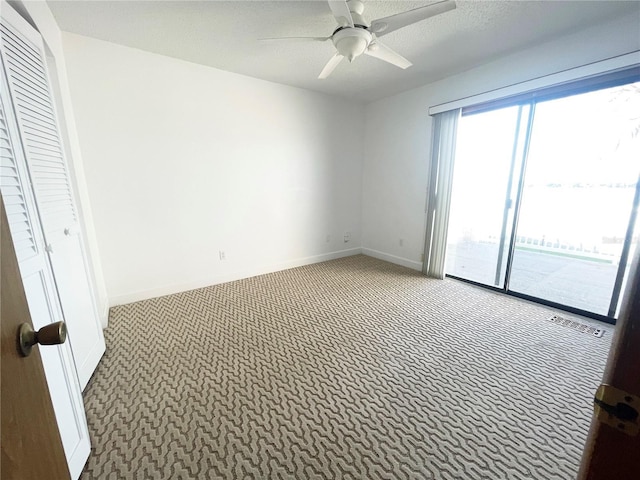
(581,327)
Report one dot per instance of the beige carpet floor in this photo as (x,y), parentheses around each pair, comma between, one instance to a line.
(348,369)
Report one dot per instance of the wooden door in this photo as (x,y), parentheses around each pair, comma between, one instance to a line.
(31,445)
(612,454)
(27,80)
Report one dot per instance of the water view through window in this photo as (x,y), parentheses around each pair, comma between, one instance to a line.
(549,188)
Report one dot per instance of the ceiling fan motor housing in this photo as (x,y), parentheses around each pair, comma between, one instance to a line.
(356,7)
(351,42)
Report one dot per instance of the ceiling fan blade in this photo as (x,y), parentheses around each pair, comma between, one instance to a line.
(341,12)
(381,51)
(385,25)
(330,66)
(296,39)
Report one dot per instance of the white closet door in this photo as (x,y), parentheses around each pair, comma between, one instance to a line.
(29,86)
(39,287)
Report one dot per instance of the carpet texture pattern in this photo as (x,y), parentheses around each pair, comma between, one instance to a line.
(348,369)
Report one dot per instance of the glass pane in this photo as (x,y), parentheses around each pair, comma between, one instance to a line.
(581,175)
(478,221)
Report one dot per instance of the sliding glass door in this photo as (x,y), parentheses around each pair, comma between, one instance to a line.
(577,196)
(481,219)
(543,196)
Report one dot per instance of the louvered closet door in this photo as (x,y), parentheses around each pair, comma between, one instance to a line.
(29,86)
(35,270)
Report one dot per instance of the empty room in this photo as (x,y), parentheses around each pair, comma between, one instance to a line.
(319,239)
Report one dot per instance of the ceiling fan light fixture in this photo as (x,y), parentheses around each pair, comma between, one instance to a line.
(351,47)
(352,42)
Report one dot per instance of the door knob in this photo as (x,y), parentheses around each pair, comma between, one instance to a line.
(52,334)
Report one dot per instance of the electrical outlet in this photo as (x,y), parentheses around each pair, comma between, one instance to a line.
(328,239)
(347,236)
(402,242)
(222,255)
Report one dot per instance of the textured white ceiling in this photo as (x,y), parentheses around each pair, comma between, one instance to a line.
(224,35)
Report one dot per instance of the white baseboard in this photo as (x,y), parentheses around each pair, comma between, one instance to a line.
(229,277)
(405,262)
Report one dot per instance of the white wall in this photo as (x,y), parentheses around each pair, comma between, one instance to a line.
(398,133)
(183,161)
(40,16)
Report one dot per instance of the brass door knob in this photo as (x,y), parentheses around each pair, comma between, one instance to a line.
(52,334)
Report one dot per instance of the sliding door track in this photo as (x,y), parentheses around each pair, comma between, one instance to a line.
(577,311)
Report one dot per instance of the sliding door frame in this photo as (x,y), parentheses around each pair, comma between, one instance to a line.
(507,202)
(624,255)
(519,189)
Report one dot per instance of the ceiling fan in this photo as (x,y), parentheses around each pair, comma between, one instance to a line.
(355,35)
